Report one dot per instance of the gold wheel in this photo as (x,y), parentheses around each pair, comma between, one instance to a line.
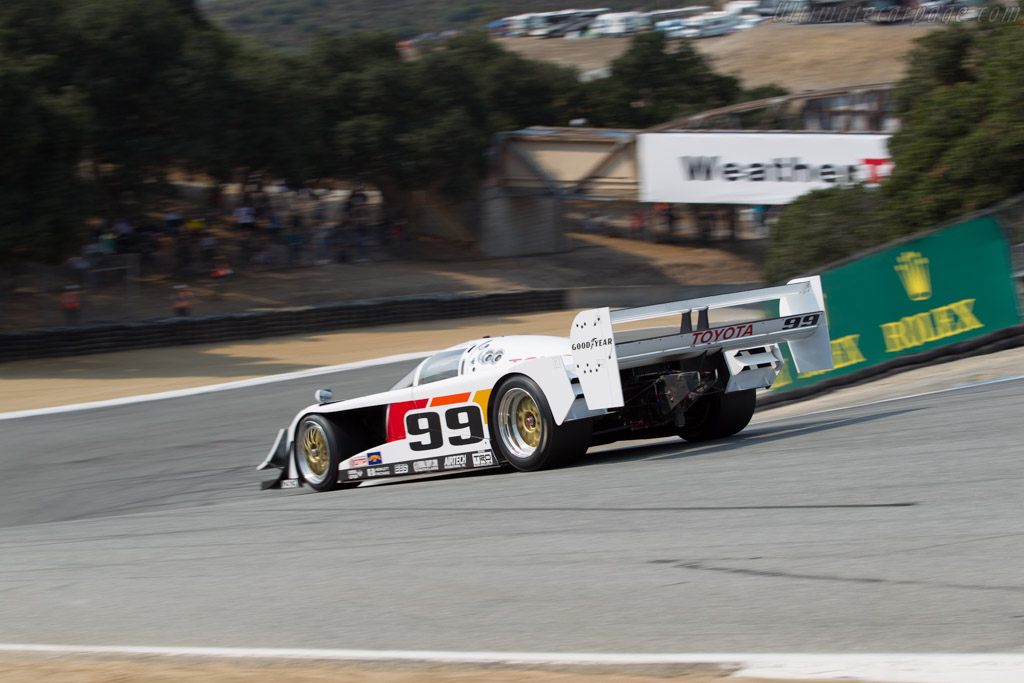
(314,452)
(524,432)
(520,424)
(528,422)
(321,444)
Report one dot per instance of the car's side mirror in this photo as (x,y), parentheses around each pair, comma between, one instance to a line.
(324,395)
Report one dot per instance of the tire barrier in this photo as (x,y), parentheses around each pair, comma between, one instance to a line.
(101,338)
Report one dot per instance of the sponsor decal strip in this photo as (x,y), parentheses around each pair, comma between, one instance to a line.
(938,668)
(753,331)
(472,460)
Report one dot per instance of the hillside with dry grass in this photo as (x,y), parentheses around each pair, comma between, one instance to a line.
(796,56)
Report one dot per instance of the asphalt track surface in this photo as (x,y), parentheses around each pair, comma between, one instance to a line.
(893,527)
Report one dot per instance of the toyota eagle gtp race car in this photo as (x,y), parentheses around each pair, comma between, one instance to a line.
(534,402)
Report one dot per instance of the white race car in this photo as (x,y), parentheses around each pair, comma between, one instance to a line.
(534,402)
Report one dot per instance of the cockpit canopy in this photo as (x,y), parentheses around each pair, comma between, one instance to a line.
(482,355)
(442,365)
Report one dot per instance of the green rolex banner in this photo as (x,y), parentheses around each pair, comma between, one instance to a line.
(942,288)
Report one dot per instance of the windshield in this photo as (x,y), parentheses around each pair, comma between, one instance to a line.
(443,365)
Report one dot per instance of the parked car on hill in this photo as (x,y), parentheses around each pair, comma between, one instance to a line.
(706,26)
(618,24)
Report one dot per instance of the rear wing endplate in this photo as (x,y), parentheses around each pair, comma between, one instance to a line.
(599,355)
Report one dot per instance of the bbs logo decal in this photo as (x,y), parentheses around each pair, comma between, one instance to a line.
(454,462)
(449,463)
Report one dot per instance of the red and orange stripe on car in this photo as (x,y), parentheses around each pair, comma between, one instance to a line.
(398,411)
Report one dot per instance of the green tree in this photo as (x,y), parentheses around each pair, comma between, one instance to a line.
(204,99)
(962,139)
(365,100)
(959,150)
(42,198)
(824,226)
(651,83)
(515,91)
(427,123)
(140,87)
(32,27)
(274,123)
(122,52)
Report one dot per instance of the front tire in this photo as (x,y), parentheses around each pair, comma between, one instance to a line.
(525,433)
(320,446)
(719,415)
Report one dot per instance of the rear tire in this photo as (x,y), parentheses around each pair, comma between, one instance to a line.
(524,432)
(320,446)
(719,415)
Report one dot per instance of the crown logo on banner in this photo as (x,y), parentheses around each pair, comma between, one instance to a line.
(912,268)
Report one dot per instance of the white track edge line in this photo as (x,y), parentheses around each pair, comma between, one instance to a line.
(210,388)
(893,667)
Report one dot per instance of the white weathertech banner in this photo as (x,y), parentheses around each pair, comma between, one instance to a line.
(754,168)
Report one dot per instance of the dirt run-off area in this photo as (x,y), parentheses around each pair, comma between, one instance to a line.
(193,671)
(798,57)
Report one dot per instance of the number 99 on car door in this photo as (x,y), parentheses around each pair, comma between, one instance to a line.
(445,428)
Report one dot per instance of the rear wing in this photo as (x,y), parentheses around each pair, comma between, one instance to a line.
(599,354)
